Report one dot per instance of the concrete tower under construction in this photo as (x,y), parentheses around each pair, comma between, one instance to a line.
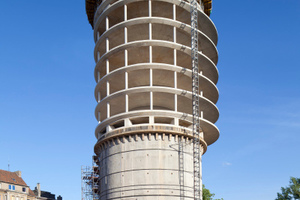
(145,91)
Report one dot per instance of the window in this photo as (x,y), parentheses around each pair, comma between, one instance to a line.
(23,189)
(11,187)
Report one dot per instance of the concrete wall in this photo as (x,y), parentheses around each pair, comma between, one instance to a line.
(145,167)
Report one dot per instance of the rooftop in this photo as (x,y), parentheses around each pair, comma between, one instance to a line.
(12,177)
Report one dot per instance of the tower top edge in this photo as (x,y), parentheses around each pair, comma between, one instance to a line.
(90,7)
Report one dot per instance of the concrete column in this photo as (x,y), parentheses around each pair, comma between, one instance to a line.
(175,96)
(151,77)
(150,8)
(107,66)
(151,100)
(99,121)
(150,54)
(98,35)
(107,88)
(125,28)
(125,35)
(126,80)
(107,45)
(107,23)
(150,31)
(98,76)
(125,12)
(98,56)
(126,103)
(108,109)
(99,97)
(126,57)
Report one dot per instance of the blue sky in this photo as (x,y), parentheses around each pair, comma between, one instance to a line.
(47,104)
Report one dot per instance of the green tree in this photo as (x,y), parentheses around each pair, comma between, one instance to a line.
(207,195)
(291,192)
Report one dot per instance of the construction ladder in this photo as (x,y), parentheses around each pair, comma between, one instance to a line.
(195,100)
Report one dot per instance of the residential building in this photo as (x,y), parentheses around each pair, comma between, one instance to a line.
(13,187)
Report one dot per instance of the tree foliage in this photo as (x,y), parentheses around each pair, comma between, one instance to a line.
(207,195)
(291,192)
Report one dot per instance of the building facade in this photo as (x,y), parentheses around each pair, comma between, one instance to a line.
(144,92)
(13,187)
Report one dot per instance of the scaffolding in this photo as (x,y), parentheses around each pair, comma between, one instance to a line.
(90,181)
(86,183)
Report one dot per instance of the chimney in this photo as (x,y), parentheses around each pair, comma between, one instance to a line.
(19,173)
(38,187)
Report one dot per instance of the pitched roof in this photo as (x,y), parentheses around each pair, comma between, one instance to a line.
(31,193)
(11,177)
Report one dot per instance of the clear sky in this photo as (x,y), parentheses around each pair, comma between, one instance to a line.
(47,104)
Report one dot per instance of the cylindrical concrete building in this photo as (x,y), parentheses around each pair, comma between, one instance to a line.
(144,83)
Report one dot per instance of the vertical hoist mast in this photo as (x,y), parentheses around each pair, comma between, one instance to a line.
(195,100)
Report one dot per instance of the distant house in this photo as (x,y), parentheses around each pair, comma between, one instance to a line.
(13,187)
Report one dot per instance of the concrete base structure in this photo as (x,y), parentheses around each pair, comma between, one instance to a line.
(144,82)
(145,167)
